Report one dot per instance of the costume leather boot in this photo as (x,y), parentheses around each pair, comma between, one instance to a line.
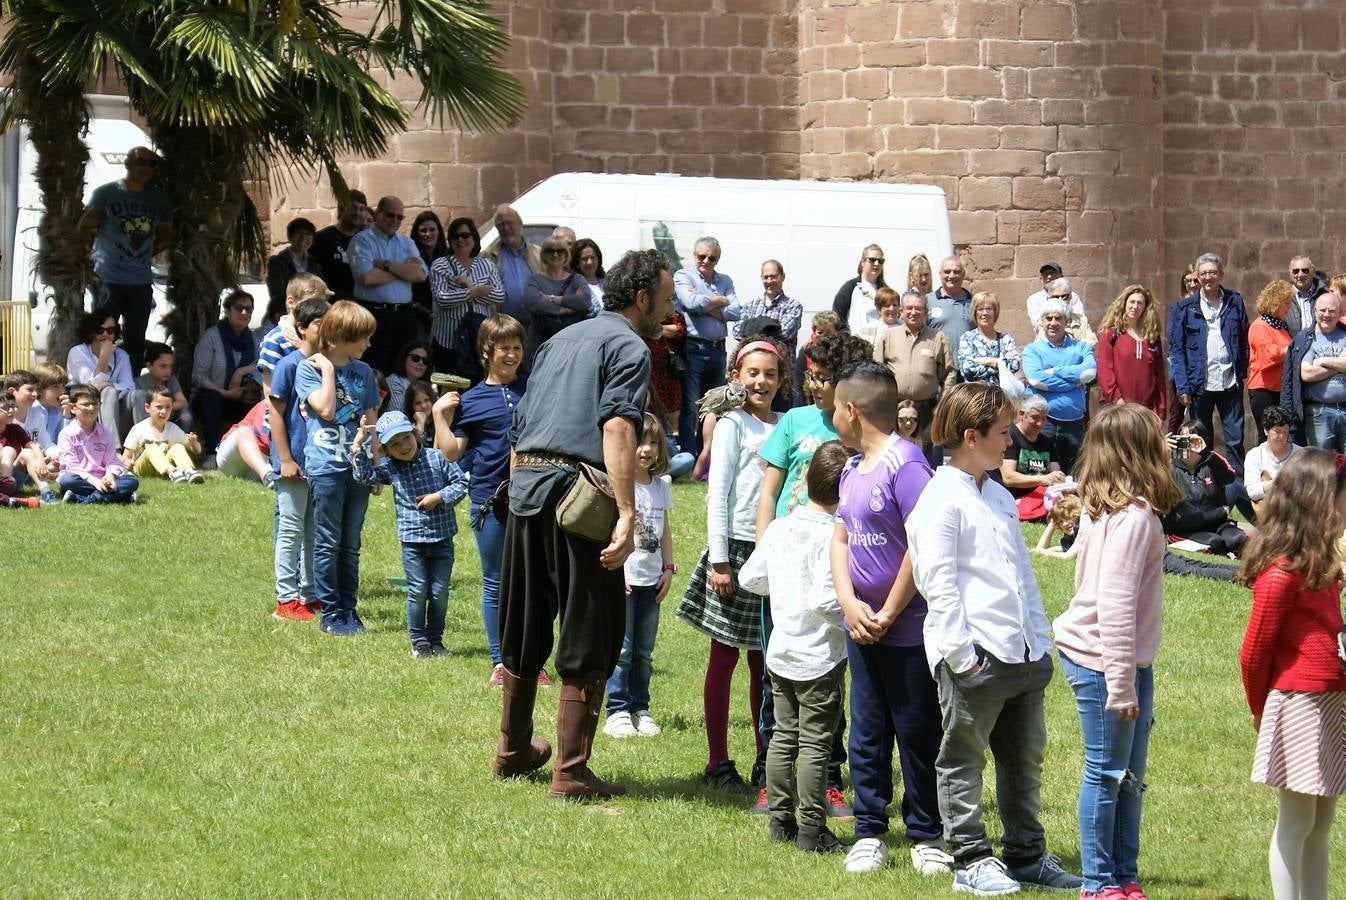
(518,752)
(576,723)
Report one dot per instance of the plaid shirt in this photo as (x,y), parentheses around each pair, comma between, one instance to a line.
(785,310)
(429,472)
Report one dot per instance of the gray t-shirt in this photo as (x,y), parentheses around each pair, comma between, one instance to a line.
(586,374)
(1331,389)
(124,243)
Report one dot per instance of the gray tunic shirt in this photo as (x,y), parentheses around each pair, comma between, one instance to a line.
(584,375)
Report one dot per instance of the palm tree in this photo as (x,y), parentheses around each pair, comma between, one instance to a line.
(228,86)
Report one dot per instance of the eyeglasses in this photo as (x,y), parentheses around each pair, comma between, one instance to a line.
(9,407)
(875,260)
(463,236)
(417,358)
(1300,271)
(554,251)
(105,329)
(707,257)
(148,161)
(908,420)
(823,380)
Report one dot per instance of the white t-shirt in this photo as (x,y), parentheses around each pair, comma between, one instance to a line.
(645,565)
(144,432)
(863,311)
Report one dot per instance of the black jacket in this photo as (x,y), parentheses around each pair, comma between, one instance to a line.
(1292,385)
(1202,507)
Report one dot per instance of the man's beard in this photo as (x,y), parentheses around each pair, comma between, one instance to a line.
(648,326)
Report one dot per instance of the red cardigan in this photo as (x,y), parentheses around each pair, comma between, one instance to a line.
(1291,641)
(1121,376)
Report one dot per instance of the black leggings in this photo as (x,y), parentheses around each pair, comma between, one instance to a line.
(1226,539)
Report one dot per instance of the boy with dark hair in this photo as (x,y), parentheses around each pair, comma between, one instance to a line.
(987,646)
(806,655)
(892,694)
(91,470)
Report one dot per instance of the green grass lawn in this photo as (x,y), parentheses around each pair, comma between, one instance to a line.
(161,734)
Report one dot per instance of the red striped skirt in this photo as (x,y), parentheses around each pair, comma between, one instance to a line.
(1301,746)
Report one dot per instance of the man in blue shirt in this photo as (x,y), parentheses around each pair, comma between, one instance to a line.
(515,259)
(1323,369)
(130,221)
(707,301)
(385,265)
(950,304)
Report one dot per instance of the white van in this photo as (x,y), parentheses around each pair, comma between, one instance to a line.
(111,134)
(816,229)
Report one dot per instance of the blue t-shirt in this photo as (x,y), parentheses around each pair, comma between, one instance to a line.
(124,243)
(283,389)
(274,347)
(485,413)
(1331,389)
(328,442)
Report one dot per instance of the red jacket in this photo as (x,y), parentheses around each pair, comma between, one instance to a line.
(1124,376)
(1291,641)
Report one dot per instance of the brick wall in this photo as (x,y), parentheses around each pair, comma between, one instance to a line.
(1039,120)
(1253,98)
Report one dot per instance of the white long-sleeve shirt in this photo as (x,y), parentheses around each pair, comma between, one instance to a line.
(735,480)
(971,565)
(1259,460)
(792,566)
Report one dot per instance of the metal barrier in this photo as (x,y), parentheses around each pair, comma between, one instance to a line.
(16,335)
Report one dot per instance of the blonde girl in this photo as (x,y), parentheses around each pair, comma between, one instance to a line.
(1292,677)
(1109,635)
(713,602)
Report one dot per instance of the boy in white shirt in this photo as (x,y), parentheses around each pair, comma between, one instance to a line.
(987,646)
(157,446)
(806,655)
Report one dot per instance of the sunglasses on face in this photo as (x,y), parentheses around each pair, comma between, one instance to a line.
(1300,271)
(463,236)
(417,358)
(246,309)
(105,329)
(908,420)
(875,260)
(707,257)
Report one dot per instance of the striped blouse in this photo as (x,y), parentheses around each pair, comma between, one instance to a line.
(451,302)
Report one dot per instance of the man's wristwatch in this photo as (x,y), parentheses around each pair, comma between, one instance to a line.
(670,567)
(383,264)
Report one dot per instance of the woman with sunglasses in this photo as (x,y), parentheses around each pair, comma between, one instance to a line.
(463,282)
(556,296)
(411,365)
(224,370)
(101,364)
(427,232)
(854,302)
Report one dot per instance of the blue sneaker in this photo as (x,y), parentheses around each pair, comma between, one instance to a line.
(335,624)
(1046,874)
(354,624)
(986,877)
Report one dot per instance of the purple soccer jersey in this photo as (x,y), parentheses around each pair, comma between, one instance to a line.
(873,509)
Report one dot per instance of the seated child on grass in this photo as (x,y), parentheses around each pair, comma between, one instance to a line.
(51,384)
(425,488)
(155,446)
(91,470)
(245,449)
(16,450)
(159,362)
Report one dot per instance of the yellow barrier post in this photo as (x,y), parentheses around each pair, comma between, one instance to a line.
(16,335)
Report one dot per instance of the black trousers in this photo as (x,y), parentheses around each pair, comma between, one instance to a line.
(132,303)
(548,574)
(395,325)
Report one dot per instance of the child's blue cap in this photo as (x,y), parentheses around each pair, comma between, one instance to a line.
(391,424)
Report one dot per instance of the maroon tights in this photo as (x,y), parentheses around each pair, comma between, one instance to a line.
(715,698)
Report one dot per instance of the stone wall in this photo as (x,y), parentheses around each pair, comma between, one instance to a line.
(1253,95)
(1039,120)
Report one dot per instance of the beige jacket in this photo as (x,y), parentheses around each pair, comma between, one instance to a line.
(922,363)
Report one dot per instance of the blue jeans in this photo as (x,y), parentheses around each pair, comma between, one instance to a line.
(1230,406)
(86,493)
(1326,426)
(428,568)
(294,540)
(339,504)
(629,686)
(1114,777)
(705,370)
(1066,438)
(491,549)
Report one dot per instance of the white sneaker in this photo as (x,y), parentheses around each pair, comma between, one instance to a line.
(867,855)
(645,724)
(985,878)
(619,725)
(929,858)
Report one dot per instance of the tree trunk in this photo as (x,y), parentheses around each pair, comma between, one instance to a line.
(203,174)
(57,119)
